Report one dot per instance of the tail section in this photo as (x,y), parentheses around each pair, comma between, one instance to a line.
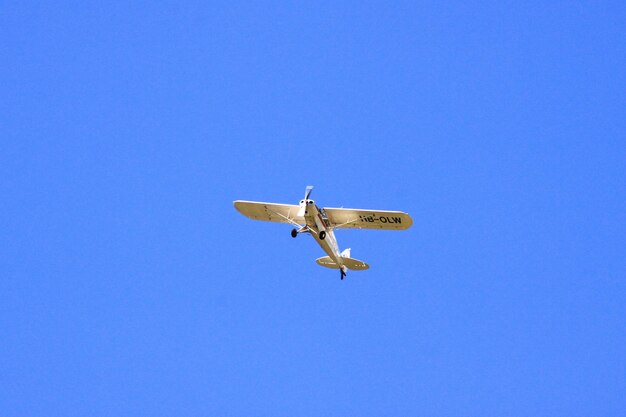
(349,263)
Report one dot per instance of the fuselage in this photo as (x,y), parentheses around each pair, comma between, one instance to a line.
(319,226)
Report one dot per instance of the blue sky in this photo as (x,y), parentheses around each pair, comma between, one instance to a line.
(131,286)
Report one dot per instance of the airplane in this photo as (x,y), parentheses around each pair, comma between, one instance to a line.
(320,223)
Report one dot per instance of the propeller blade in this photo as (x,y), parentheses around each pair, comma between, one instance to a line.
(307,193)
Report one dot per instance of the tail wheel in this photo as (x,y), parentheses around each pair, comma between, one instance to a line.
(322,235)
(294,233)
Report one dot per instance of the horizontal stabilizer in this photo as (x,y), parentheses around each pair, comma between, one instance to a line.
(350,263)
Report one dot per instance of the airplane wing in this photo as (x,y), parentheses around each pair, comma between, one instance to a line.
(368,219)
(270,212)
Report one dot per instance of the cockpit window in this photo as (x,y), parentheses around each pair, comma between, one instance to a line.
(324,216)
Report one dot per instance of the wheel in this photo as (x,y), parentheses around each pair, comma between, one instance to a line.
(294,233)
(322,235)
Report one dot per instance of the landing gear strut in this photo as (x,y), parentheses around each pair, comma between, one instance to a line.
(294,233)
(343,274)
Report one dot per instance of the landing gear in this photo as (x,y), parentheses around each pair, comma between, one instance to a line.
(343,274)
(294,233)
(323,236)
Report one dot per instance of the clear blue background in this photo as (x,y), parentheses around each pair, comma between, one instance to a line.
(130,286)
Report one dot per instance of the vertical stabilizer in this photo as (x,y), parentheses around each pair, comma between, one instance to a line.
(345,253)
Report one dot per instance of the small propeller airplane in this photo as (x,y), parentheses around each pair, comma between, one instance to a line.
(320,223)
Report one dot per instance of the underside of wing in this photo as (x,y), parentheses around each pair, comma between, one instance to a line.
(368,219)
(269,212)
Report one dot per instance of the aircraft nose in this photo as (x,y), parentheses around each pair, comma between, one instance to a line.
(302,211)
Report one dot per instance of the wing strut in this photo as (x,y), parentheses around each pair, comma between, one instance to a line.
(284,217)
(348,222)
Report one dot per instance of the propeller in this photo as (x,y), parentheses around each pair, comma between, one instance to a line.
(307,193)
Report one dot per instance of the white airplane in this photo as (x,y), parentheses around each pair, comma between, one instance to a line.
(321,222)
